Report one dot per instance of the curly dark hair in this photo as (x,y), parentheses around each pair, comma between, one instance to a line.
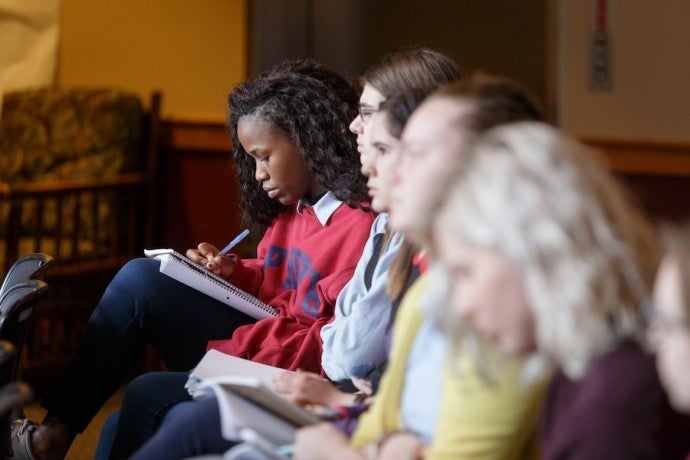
(312,106)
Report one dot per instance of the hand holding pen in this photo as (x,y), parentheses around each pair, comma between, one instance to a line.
(214,260)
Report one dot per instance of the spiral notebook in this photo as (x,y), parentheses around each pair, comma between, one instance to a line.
(179,267)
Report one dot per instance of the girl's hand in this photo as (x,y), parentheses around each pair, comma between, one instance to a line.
(363,385)
(309,388)
(206,254)
(402,445)
(323,441)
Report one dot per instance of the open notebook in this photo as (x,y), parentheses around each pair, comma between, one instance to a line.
(181,268)
(249,408)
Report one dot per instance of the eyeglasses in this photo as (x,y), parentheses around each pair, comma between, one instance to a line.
(654,319)
(365,113)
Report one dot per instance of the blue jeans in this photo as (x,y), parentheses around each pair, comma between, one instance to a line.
(157,403)
(190,429)
(140,306)
(156,406)
(105,450)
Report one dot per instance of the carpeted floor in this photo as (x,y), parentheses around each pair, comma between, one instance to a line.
(84,446)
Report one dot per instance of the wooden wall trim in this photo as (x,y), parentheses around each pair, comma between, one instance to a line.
(203,136)
(645,156)
(625,156)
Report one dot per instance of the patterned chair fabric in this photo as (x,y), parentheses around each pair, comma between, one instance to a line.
(49,136)
(52,134)
(77,182)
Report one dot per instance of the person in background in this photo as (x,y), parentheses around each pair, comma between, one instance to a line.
(300,181)
(543,255)
(422,409)
(419,71)
(355,343)
(668,326)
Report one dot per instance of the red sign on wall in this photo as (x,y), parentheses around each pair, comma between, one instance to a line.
(601,70)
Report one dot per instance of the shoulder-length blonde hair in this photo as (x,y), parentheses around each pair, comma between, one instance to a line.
(586,253)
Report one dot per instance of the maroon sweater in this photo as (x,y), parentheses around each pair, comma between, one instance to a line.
(617,411)
(301,267)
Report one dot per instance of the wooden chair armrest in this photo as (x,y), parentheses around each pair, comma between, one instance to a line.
(47,188)
(80,221)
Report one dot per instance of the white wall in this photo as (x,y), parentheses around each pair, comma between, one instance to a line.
(650,96)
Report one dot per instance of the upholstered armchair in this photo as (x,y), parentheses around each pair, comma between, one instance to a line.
(78,171)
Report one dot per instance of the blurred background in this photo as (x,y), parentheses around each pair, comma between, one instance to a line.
(638,110)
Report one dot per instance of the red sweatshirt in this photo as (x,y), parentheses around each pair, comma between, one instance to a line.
(300,269)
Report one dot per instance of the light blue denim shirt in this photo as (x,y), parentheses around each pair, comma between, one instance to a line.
(355,342)
(423,387)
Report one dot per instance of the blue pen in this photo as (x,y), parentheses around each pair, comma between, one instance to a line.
(234,242)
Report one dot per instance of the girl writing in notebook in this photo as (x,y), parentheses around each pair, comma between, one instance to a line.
(355,343)
(299,175)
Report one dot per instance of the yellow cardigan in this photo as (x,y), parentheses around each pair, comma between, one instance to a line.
(476,420)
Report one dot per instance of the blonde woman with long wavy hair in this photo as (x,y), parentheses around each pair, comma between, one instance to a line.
(542,254)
